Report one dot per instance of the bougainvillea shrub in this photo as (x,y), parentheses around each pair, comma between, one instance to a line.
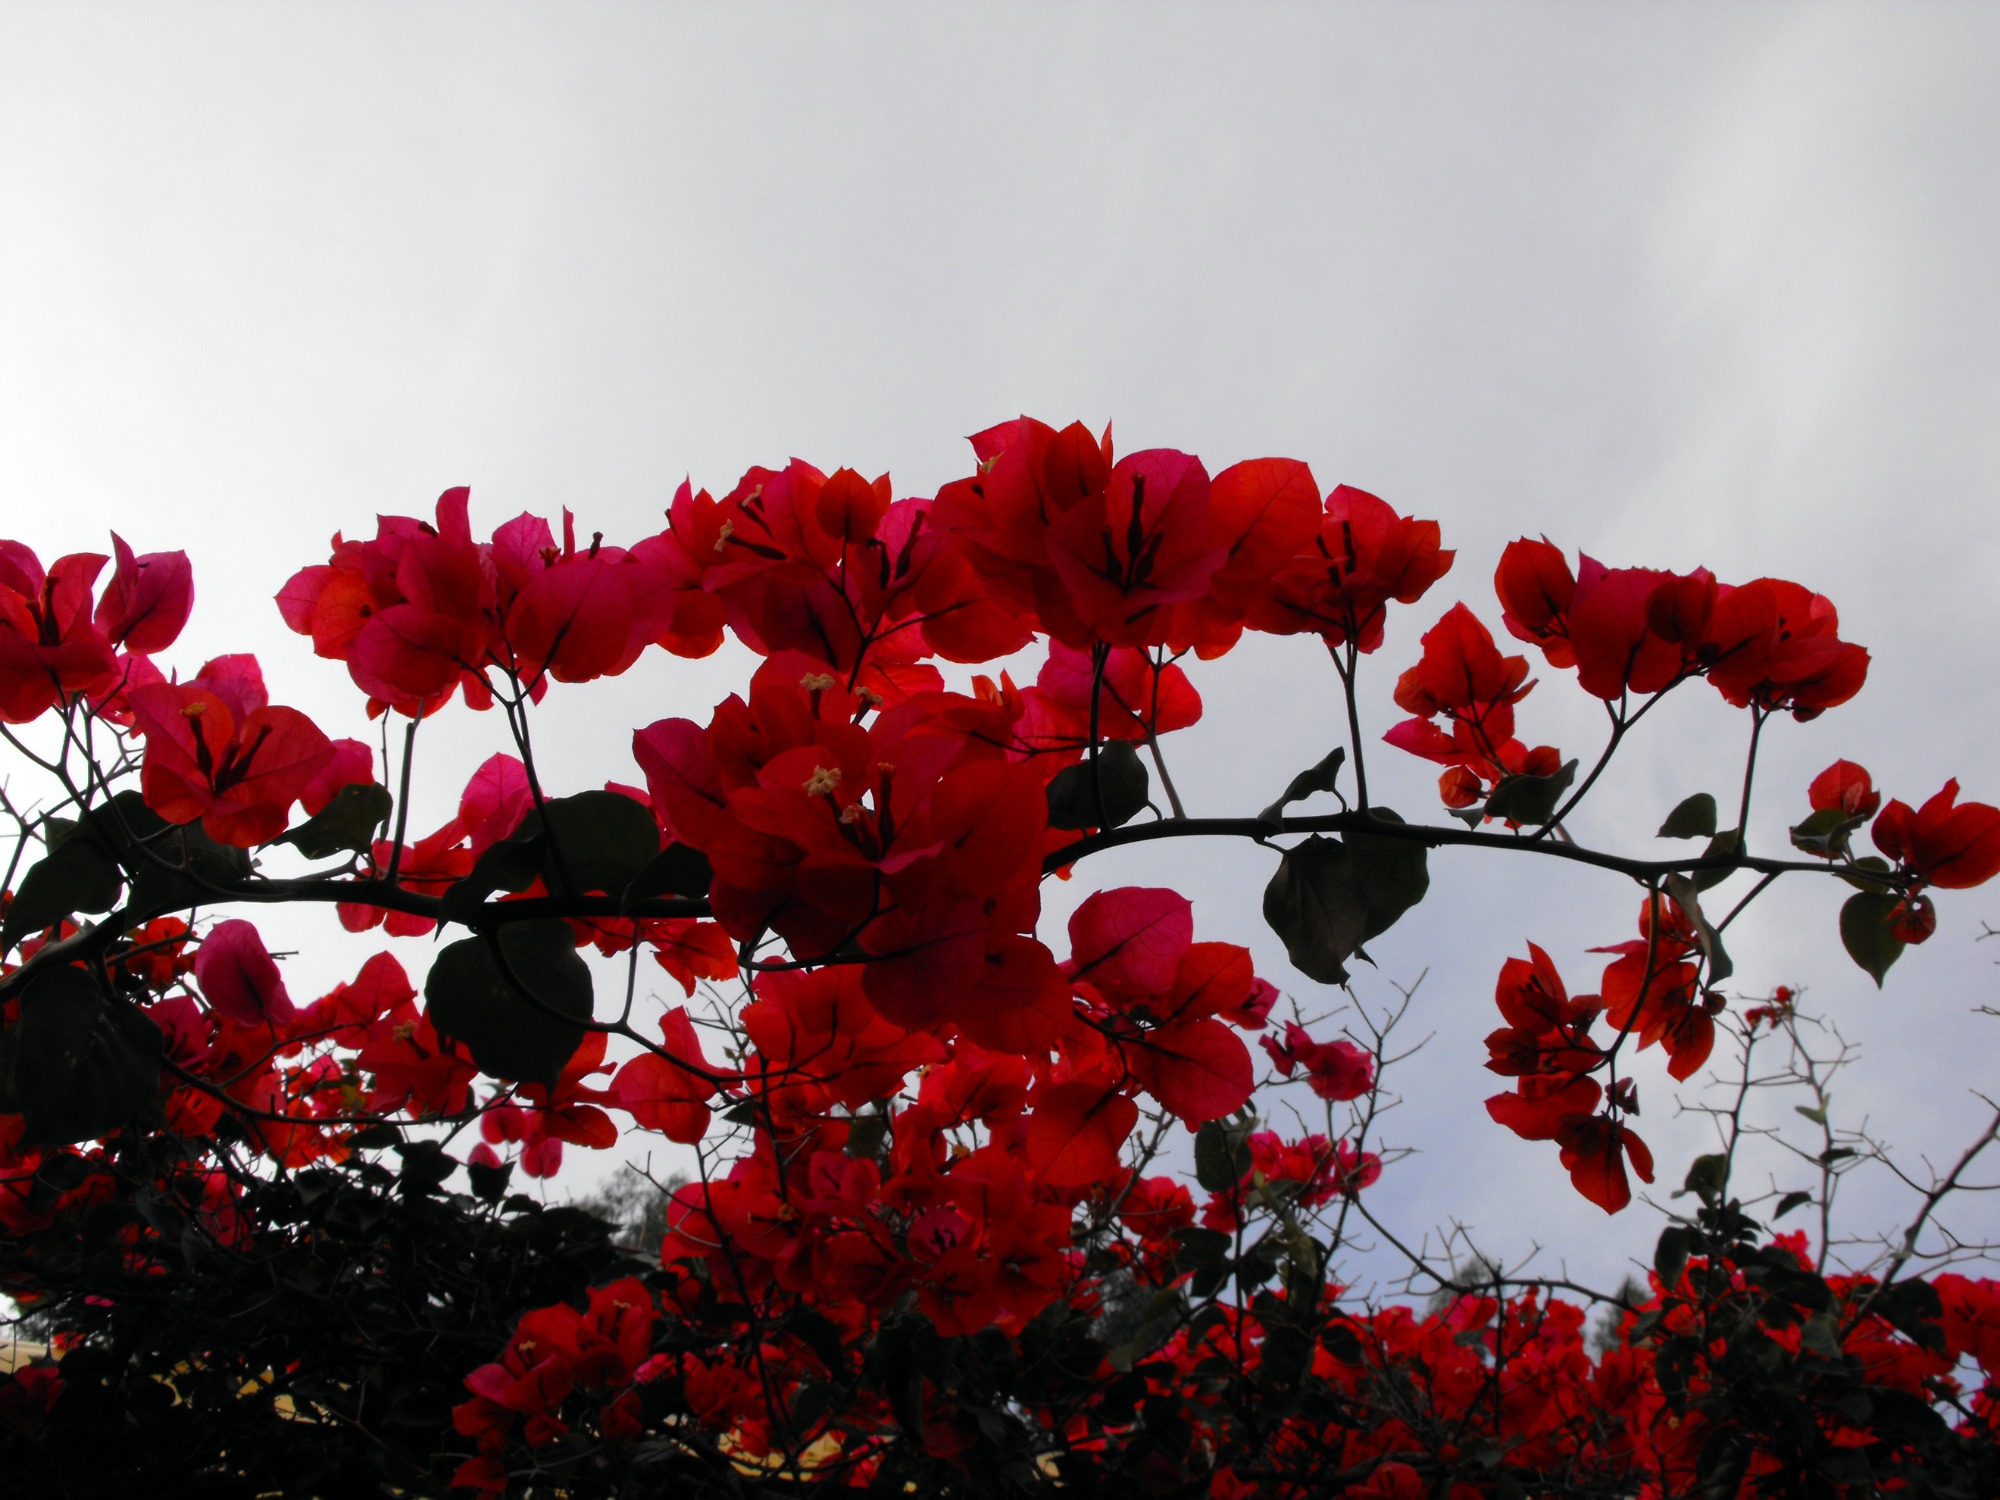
(983,1207)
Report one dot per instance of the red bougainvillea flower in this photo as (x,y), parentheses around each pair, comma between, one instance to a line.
(1340,586)
(239,978)
(1535,587)
(1944,843)
(238,772)
(1845,787)
(1463,677)
(1777,645)
(1337,1070)
(148,599)
(1261,513)
(1140,543)
(49,645)
(670,1093)
(1462,673)
(1595,1149)
(1636,630)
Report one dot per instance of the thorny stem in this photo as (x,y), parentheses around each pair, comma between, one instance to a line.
(1757,717)
(403,800)
(1099,655)
(1166,781)
(1347,669)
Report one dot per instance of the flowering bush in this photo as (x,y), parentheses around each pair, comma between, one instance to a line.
(938,1243)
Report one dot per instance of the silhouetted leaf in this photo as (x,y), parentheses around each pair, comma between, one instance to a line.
(1317,905)
(1693,818)
(1682,890)
(677,870)
(1826,832)
(1394,874)
(77,876)
(1865,934)
(1073,800)
(523,1021)
(1730,841)
(1317,778)
(1530,800)
(348,822)
(84,1064)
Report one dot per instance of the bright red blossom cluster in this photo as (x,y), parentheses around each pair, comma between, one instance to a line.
(936,1113)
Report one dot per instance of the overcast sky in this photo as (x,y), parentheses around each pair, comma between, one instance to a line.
(1678,285)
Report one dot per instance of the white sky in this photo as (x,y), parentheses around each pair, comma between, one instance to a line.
(1676,284)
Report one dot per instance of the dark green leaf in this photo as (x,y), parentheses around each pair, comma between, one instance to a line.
(1705,1178)
(1530,800)
(1692,819)
(171,867)
(865,1134)
(1826,832)
(1915,1308)
(1789,1202)
(593,841)
(677,870)
(597,841)
(1394,875)
(1901,1417)
(1819,1335)
(1670,1256)
(1318,778)
(505,866)
(1857,874)
(1339,1340)
(523,1021)
(1865,934)
(1683,892)
(1729,842)
(1221,1156)
(1316,903)
(425,1166)
(1201,1247)
(77,876)
(1287,1353)
(1073,801)
(348,822)
(85,1064)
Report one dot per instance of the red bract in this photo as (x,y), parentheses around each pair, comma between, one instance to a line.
(1141,543)
(1337,1070)
(1076,1131)
(1130,942)
(49,645)
(1535,587)
(1340,585)
(670,1093)
(1595,1149)
(821,1042)
(1777,645)
(1261,513)
(1136,697)
(423,611)
(148,599)
(239,979)
(1845,787)
(1462,674)
(239,773)
(1944,843)
(1198,1070)
(1636,630)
